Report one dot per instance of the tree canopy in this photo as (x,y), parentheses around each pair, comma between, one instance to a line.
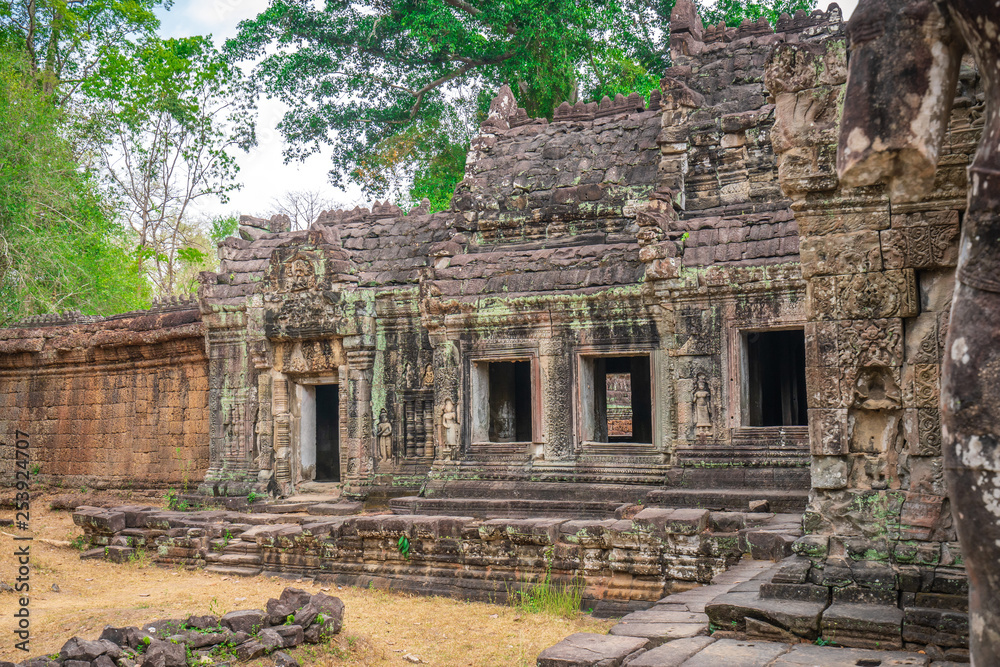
(133,128)
(60,247)
(396,87)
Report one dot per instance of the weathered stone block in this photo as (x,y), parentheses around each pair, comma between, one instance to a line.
(671,654)
(663,521)
(864,626)
(737,653)
(161,653)
(801,592)
(835,254)
(935,626)
(249,621)
(828,434)
(920,516)
(829,472)
(585,649)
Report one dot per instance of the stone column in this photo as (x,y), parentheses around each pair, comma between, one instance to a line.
(359,441)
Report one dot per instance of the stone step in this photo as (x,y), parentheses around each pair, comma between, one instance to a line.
(504,508)
(233,558)
(731,499)
(233,570)
(343,508)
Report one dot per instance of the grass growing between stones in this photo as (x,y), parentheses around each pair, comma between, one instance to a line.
(547,597)
(380,627)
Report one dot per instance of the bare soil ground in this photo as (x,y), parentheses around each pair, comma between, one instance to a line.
(380,627)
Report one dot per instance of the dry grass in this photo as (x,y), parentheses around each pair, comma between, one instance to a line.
(380,627)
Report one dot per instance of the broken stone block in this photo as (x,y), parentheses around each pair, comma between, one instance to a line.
(801,592)
(249,621)
(282,659)
(810,655)
(81,649)
(940,627)
(292,635)
(730,611)
(161,653)
(658,633)
(128,637)
(760,506)
(249,650)
(270,639)
(863,626)
(793,570)
(203,622)
(585,649)
(103,661)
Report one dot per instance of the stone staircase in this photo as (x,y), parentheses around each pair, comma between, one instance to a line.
(687,630)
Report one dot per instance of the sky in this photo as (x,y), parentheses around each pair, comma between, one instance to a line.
(263,172)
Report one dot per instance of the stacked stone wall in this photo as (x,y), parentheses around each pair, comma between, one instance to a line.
(619,563)
(114,402)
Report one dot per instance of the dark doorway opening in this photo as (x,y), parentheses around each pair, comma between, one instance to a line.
(510,401)
(776,378)
(328,433)
(622,400)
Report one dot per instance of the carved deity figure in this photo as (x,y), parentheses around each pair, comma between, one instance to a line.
(904,63)
(383,436)
(702,407)
(449,429)
(428,379)
(300,275)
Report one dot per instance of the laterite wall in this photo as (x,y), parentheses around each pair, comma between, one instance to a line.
(107,402)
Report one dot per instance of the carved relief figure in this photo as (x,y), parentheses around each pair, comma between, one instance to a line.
(300,275)
(449,429)
(702,407)
(428,378)
(383,435)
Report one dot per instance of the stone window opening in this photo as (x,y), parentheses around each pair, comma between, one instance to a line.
(616,399)
(502,398)
(775,378)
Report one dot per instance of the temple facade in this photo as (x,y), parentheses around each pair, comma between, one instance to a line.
(615,297)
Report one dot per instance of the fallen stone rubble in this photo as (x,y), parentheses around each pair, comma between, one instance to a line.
(295,618)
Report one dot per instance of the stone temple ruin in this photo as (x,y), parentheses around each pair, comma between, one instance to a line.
(671,302)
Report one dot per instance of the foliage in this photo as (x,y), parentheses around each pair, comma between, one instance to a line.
(734,12)
(398,85)
(174,501)
(163,117)
(222,227)
(403,545)
(64,42)
(59,247)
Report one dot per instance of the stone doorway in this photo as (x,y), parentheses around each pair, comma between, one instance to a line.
(327,433)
